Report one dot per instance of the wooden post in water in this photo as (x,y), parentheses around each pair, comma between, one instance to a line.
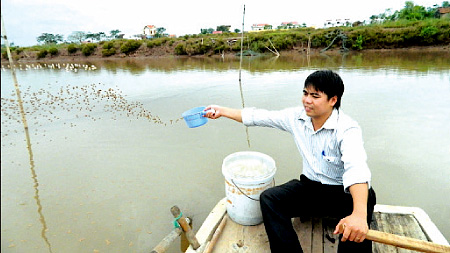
(185,226)
(167,241)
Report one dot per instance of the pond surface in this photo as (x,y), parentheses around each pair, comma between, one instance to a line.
(111,154)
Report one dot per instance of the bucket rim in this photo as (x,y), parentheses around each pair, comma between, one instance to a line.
(254,180)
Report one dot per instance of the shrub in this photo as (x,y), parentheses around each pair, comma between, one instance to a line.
(108,52)
(88,49)
(108,45)
(358,43)
(42,53)
(130,46)
(19,50)
(108,49)
(428,33)
(72,48)
(53,51)
(180,49)
(156,42)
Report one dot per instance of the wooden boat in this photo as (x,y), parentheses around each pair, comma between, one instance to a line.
(221,234)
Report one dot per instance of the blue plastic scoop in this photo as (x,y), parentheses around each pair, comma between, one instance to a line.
(194,117)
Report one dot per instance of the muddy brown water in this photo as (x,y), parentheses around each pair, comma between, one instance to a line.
(111,153)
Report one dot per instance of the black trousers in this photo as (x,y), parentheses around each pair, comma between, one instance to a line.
(302,198)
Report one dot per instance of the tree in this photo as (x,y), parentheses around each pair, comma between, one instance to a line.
(49,38)
(77,36)
(223,28)
(206,31)
(160,32)
(412,12)
(96,36)
(237,30)
(114,33)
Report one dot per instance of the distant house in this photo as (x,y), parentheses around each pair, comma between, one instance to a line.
(443,12)
(336,22)
(289,25)
(260,27)
(149,31)
(217,32)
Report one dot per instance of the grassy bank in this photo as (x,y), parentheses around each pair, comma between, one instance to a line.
(390,35)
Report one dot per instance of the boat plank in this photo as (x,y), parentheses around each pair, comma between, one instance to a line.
(303,227)
(238,238)
(398,224)
(330,240)
(316,234)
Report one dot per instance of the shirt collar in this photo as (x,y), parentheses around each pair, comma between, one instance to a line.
(331,122)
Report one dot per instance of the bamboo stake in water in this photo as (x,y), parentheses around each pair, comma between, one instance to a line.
(240,68)
(27,136)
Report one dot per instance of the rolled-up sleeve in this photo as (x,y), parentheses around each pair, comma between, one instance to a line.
(354,157)
(276,119)
(247,116)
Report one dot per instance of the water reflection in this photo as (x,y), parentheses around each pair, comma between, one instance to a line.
(38,201)
(20,110)
(404,60)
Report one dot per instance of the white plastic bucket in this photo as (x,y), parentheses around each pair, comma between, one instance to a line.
(247,174)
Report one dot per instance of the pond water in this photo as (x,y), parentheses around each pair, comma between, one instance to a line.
(110,153)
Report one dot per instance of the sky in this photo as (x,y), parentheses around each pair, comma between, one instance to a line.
(25,20)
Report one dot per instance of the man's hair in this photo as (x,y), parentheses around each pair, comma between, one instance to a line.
(327,82)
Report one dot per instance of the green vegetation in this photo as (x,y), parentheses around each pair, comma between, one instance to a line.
(53,51)
(49,38)
(411,26)
(72,48)
(108,49)
(130,46)
(42,53)
(88,49)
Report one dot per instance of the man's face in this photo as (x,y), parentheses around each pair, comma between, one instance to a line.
(316,103)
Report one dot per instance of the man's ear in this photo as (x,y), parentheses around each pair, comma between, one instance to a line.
(333,100)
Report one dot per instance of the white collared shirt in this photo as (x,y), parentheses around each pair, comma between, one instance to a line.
(334,154)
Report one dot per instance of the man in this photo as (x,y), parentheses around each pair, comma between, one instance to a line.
(336,179)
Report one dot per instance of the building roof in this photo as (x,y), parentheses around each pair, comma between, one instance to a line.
(444,10)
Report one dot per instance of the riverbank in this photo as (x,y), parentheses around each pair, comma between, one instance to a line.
(164,52)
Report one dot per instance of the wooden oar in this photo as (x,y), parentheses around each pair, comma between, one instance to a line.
(406,242)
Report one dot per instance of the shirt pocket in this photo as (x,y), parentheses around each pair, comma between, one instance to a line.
(330,159)
(333,167)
